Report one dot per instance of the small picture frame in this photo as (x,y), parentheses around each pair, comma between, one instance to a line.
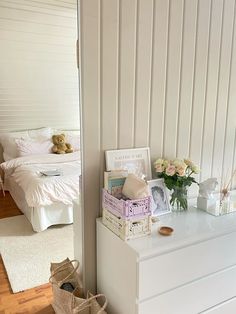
(159,199)
(135,160)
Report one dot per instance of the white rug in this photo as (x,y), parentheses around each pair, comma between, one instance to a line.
(27,255)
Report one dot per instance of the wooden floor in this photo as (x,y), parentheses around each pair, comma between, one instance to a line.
(37,300)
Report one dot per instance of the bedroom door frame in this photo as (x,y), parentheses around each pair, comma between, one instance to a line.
(88,211)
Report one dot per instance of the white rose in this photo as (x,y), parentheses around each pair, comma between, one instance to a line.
(177,162)
(188,162)
(195,169)
(159,161)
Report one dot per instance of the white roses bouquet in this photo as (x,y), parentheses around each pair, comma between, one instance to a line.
(177,177)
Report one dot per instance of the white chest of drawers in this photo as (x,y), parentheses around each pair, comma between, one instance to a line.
(192,271)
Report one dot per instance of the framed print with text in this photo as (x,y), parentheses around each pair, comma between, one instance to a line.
(135,160)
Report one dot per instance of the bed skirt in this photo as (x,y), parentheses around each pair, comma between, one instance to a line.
(40,217)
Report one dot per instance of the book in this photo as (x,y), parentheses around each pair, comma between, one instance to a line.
(115,186)
(51,173)
(114,181)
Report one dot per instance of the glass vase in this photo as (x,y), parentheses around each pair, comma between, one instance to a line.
(179,199)
(224,203)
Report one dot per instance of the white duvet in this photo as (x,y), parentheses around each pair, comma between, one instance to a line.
(41,190)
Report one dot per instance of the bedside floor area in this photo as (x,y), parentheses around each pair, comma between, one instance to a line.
(37,300)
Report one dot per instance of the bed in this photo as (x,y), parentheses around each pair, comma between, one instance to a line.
(44,199)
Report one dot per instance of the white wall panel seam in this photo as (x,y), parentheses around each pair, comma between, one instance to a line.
(37,12)
(55,2)
(234,159)
(206,90)
(194,78)
(71,2)
(217,95)
(37,33)
(136,71)
(173,77)
(151,72)
(151,75)
(118,73)
(166,80)
(127,72)
(100,65)
(143,72)
(34,4)
(186,88)
(37,23)
(200,84)
(38,43)
(180,82)
(99,118)
(232,185)
(228,93)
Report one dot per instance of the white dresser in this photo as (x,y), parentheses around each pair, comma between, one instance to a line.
(192,271)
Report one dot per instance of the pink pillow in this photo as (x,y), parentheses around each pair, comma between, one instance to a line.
(30,147)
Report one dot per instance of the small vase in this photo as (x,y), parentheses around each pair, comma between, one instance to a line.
(224,203)
(179,199)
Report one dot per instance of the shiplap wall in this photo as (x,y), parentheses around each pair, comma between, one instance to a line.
(158,73)
(38,73)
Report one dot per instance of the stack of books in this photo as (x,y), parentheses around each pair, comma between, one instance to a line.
(128,219)
(114,182)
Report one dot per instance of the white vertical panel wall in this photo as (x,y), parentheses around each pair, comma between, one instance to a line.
(38,74)
(163,75)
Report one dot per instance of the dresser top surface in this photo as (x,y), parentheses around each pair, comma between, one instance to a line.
(190,227)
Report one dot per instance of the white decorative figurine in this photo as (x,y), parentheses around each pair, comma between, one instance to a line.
(206,199)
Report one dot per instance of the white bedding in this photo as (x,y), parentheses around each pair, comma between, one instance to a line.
(40,190)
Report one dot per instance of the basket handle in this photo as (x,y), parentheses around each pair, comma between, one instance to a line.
(59,269)
(87,304)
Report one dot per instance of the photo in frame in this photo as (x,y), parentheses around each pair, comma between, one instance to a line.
(135,160)
(159,198)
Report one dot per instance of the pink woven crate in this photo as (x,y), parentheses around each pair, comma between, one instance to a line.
(126,209)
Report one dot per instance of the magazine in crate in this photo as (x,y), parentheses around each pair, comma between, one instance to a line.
(114,181)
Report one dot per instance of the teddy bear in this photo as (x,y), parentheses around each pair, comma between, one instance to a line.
(60,146)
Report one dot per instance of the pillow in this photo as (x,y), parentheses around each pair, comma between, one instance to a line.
(66,132)
(71,132)
(41,134)
(27,147)
(9,145)
(7,140)
(74,140)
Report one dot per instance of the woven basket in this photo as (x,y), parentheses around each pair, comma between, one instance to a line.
(89,305)
(65,302)
(61,273)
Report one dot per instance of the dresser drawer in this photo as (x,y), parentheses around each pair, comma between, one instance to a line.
(195,297)
(162,273)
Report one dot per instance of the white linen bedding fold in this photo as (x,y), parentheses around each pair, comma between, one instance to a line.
(41,190)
